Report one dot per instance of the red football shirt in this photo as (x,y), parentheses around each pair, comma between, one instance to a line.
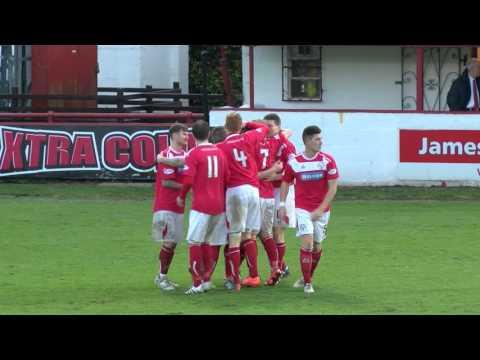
(240,154)
(266,157)
(208,173)
(286,150)
(166,198)
(311,179)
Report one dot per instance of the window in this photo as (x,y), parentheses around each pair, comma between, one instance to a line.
(15,70)
(302,72)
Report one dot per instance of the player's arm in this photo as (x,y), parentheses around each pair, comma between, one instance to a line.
(258,129)
(332,191)
(276,177)
(332,178)
(286,154)
(171,184)
(284,187)
(173,162)
(255,124)
(287,133)
(282,210)
(269,173)
(168,177)
(187,185)
(191,166)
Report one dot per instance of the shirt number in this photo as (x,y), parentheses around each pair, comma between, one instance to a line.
(240,157)
(212,166)
(264,152)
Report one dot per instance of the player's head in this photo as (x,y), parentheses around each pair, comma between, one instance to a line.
(312,138)
(233,123)
(178,134)
(201,130)
(274,124)
(217,134)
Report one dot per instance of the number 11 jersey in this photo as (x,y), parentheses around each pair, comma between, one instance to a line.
(208,171)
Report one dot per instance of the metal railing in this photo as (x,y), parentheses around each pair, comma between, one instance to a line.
(53,117)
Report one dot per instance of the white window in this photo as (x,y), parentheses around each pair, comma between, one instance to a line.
(302,72)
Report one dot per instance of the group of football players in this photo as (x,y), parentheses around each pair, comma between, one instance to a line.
(247,181)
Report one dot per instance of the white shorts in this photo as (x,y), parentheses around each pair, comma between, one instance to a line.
(243,209)
(267,214)
(205,228)
(305,225)
(290,207)
(167,226)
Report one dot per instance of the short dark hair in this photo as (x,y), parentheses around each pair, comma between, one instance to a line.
(176,128)
(200,130)
(217,134)
(273,117)
(309,131)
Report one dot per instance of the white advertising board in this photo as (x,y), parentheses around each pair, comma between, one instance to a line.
(366,146)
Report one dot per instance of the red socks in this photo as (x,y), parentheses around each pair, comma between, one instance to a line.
(210,258)
(251,254)
(281,254)
(233,262)
(206,261)
(196,259)
(315,260)
(165,257)
(306,265)
(228,270)
(242,253)
(272,252)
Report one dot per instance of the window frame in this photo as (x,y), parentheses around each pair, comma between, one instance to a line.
(287,74)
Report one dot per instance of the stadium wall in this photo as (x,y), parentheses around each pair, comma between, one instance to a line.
(367,147)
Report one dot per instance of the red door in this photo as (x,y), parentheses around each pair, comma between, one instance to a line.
(64,70)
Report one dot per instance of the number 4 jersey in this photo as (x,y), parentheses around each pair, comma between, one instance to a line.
(207,172)
(240,153)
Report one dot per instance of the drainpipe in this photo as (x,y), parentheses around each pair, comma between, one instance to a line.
(251,77)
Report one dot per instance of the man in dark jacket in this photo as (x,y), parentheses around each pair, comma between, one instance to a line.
(461,97)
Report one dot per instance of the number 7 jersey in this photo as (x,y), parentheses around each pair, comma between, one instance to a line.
(241,154)
(208,173)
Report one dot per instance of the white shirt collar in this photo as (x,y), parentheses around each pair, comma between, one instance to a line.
(231,135)
(307,158)
(176,152)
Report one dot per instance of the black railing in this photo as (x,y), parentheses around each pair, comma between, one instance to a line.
(122,100)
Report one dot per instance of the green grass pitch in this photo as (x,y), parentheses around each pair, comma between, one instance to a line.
(85,248)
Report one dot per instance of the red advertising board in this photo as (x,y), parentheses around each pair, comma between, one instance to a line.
(440,146)
(82,151)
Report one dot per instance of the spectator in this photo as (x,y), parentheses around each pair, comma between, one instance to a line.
(461,97)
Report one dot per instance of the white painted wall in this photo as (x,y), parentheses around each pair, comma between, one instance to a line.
(354,77)
(366,145)
(141,65)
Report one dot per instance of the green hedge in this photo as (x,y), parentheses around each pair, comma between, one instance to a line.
(215,80)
